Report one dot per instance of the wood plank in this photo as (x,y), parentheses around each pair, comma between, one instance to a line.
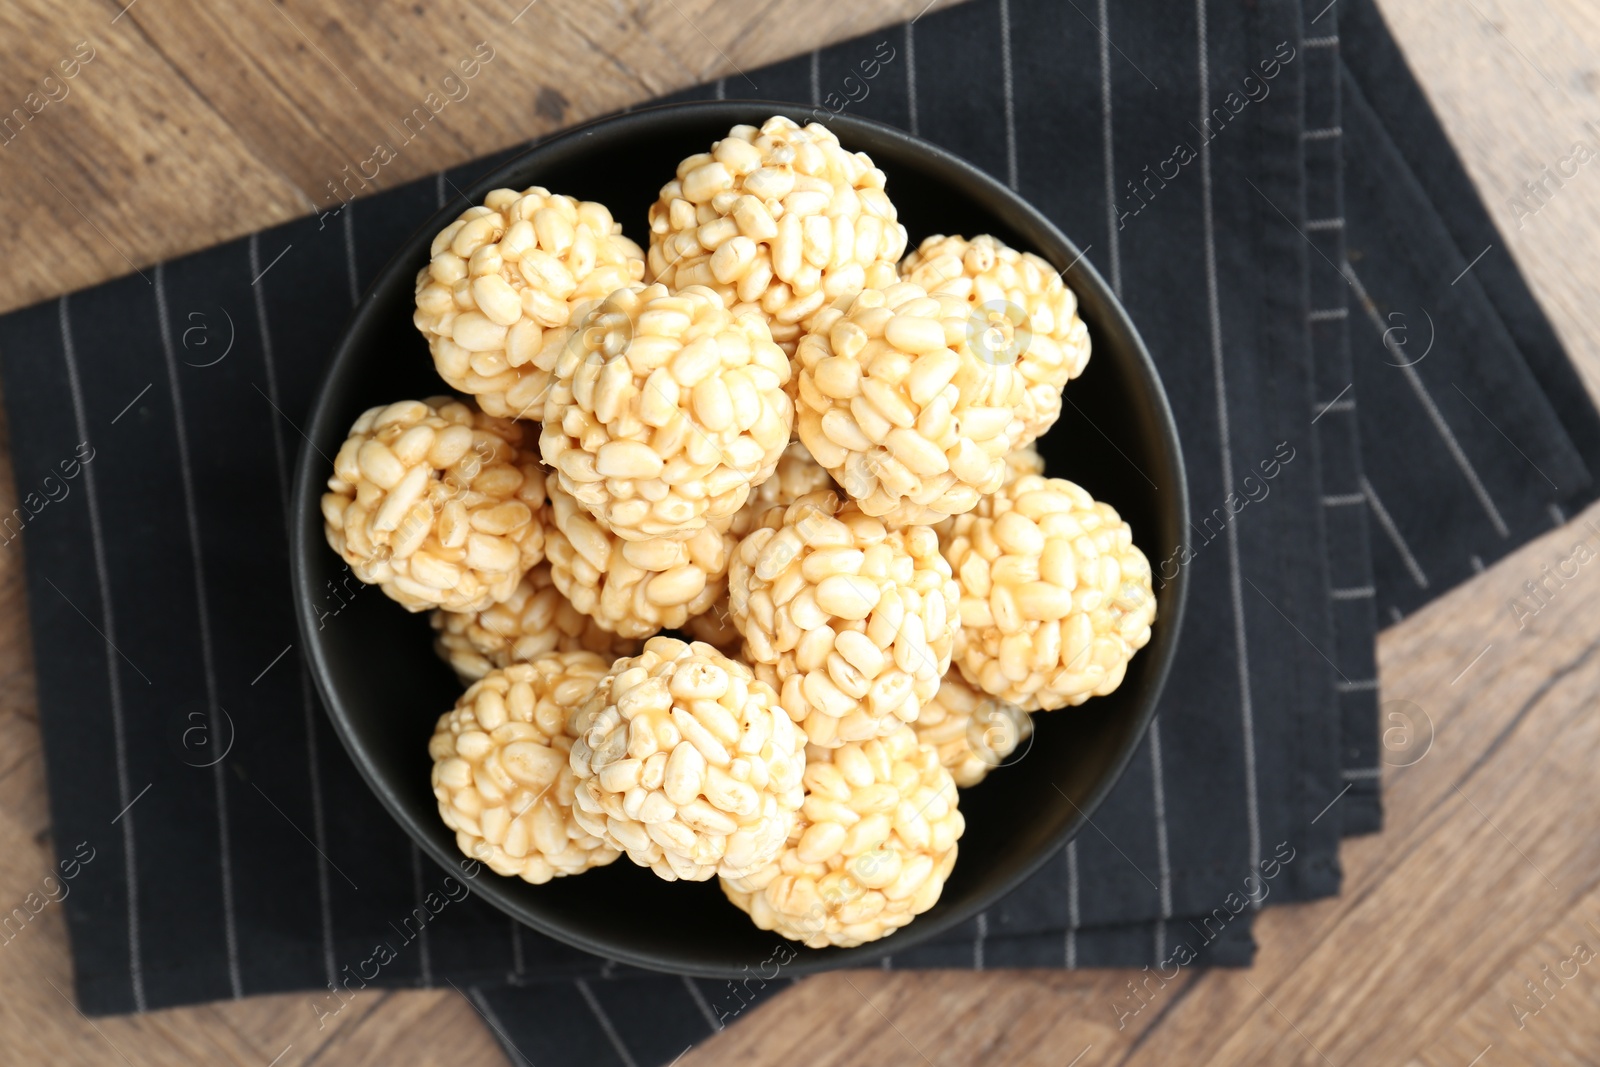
(196,123)
(129,167)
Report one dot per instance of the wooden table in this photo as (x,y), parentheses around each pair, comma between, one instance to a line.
(1486,873)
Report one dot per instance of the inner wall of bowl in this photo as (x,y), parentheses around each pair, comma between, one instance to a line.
(388,688)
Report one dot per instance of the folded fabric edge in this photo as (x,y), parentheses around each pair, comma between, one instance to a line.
(1398,99)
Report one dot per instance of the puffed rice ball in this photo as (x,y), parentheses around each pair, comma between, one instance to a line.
(874,844)
(900,410)
(506,289)
(1022,313)
(436,502)
(1055,596)
(667,433)
(850,620)
(533,620)
(687,763)
(633,588)
(972,731)
(501,773)
(783,219)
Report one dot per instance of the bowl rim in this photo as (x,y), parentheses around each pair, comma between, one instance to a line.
(310,473)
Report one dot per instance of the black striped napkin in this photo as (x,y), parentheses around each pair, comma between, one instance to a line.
(1218,162)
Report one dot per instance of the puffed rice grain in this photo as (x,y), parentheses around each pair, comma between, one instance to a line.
(715,627)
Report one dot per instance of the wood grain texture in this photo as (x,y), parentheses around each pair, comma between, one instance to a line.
(192,124)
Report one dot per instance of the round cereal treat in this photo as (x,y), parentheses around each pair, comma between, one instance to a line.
(535,619)
(633,588)
(875,841)
(1055,596)
(900,410)
(501,769)
(436,502)
(509,284)
(781,218)
(972,731)
(1022,314)
(687,763)
(668,433)
(850,620)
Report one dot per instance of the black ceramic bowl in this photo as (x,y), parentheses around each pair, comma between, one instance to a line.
(384,688)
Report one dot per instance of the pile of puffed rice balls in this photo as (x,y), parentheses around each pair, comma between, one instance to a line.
(780,436)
